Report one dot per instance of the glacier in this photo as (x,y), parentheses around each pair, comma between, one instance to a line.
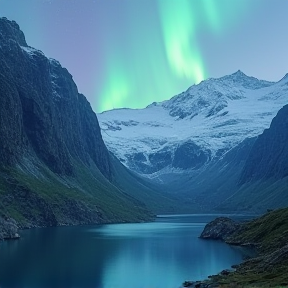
(194,127)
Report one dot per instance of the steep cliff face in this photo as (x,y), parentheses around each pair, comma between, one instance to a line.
(263,180)
(54,167)
(269,155)
(44,109)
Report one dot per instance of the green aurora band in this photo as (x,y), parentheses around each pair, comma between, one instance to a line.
(162,52)
(179,33)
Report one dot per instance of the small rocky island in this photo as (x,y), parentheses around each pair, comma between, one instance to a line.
(267,235)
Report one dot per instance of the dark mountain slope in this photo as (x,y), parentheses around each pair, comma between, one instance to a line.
(54,166)
(263,182)
(269,155)
(250,177)
(209,187)
(50,116)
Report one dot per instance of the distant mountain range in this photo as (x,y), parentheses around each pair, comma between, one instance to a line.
(197,143)
(194,127)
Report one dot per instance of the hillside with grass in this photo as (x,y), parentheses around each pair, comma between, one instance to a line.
(268,235)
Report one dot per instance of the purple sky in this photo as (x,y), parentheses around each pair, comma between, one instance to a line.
(130,53)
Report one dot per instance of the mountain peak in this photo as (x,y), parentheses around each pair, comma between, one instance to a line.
(239,73)
(248,82)
(11,30)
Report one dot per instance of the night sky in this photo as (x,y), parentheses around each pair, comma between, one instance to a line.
(130,53)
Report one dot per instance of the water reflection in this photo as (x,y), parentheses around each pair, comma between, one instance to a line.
(159,254)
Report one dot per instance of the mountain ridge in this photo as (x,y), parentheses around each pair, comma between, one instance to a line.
(216,115)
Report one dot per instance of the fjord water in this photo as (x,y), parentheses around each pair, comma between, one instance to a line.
(163,253)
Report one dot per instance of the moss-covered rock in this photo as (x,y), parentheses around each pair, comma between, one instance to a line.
(220,229)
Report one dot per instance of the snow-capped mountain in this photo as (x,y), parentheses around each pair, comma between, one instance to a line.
(194,127)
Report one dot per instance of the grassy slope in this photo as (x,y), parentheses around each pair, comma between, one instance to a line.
(260,195)
(35,196)
(88,197)
(270,269)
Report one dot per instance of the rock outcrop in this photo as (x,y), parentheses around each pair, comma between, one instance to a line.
(220,229)
(250,177)
(8,229)
(188,155)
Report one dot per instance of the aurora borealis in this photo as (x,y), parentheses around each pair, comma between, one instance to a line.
(182,25)
(130,53)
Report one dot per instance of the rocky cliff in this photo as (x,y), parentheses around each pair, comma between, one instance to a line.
(250,177)
(54,166)
(262,183)
(269,156)
(50,118)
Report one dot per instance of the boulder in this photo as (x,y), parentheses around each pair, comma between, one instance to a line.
(220,229)
(8,229)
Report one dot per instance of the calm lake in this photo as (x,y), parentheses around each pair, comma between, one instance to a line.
(149,255)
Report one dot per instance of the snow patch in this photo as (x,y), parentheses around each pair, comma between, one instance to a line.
(31,51)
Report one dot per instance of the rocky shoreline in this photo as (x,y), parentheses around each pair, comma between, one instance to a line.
(267,235)
(8,229)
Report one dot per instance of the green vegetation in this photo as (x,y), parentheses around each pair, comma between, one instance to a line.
(273,195)
(42,198)
(234,285)
(269,234)
(35,196)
